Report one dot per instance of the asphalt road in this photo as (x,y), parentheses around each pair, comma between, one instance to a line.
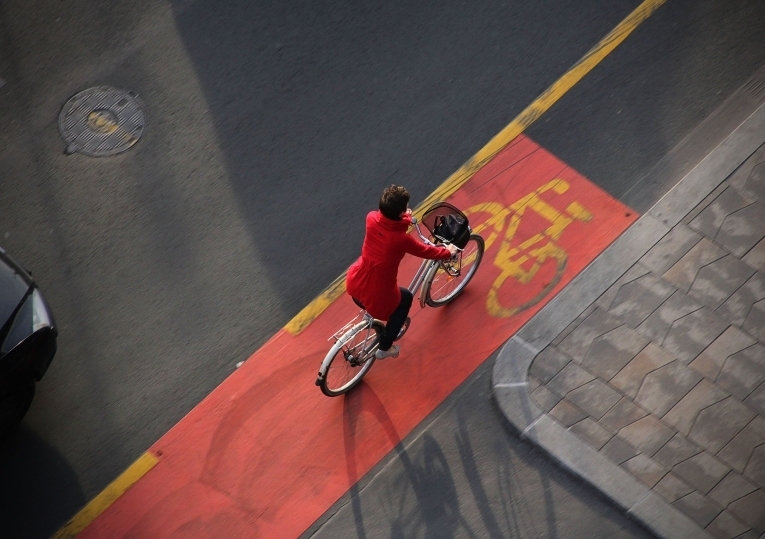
(462,474)
(272,128)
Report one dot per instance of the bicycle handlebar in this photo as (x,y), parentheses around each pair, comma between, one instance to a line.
(416,224)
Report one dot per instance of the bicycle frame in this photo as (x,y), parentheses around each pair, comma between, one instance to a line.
(356,351)
(422,271)
(417,281)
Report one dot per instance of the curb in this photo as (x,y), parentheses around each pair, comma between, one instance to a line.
(509,377)
(108,496)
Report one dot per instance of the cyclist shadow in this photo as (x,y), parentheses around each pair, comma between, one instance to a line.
(426,472)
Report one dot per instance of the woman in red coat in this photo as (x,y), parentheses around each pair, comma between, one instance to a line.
(372,279)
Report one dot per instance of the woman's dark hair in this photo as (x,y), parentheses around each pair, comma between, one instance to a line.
(394,201)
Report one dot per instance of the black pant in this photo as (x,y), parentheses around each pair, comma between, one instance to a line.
(396,320)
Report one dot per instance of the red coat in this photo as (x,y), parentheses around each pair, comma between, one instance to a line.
(372,279)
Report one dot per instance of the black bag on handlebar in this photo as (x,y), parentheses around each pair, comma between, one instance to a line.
(452,228)
(447,223)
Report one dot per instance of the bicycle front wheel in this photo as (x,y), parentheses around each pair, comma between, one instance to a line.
(350,358)
(446,279)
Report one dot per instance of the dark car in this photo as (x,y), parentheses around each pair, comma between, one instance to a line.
(27,341)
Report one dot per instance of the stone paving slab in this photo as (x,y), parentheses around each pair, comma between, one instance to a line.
(687,375)
(646,375)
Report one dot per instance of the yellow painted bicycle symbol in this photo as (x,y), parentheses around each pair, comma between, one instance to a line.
(522,258)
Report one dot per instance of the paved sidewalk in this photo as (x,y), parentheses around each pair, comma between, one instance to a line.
(646,375)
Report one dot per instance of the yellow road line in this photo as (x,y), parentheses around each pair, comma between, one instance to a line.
(108,496)
(529,115)
(316,307)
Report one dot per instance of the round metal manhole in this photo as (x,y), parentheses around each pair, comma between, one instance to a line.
(101,121)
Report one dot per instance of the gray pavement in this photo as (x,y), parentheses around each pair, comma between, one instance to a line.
(646,375)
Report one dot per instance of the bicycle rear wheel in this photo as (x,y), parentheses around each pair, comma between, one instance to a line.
(350,358)
(448,278)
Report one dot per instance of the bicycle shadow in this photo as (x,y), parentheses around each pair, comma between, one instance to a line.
(497,499)
(425,475)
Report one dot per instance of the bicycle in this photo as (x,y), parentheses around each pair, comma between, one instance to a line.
(438,282)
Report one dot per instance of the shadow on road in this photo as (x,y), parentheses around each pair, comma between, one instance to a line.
(434,511)
(34,479)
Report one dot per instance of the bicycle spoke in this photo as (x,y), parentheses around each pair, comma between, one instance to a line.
(451,277)
(351,360)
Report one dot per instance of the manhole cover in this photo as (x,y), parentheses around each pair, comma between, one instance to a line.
(101,121)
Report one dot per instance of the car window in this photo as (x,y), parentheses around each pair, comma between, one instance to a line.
(13,288)
(21,328)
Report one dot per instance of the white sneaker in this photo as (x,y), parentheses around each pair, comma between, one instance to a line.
(392,352)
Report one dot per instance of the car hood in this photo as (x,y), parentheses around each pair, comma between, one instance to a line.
(14,286)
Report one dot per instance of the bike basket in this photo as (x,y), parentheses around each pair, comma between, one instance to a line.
(447,224)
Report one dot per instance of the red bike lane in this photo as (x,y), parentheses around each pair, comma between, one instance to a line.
(266,454)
